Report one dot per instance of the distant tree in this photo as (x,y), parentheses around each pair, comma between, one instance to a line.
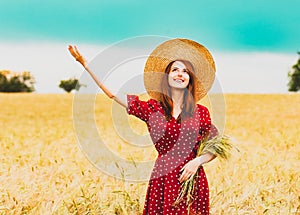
(16,81)
(294,76)
(70,84)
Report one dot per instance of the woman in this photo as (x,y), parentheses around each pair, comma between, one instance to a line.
(183,71)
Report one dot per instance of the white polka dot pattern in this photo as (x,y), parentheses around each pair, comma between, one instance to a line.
(176,144)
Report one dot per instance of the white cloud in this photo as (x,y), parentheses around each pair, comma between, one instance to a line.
(254,72)
(50,62)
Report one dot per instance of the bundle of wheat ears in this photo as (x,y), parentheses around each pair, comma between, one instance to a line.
(219,146)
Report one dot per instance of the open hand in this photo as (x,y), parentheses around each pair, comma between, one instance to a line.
(189,169)
(76,54)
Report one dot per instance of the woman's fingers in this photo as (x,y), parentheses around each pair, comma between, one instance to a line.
(183,178)
(72,51)
(185,175)
(76,49)
(76,54)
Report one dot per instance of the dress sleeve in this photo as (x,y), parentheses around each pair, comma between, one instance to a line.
(140,109)
(206,126)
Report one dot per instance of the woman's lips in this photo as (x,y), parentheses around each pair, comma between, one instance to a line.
(178,80)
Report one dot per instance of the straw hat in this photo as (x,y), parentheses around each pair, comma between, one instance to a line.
(176,49)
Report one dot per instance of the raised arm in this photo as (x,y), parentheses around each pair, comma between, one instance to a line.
(76,54)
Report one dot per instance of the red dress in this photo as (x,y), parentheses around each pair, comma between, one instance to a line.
(176,144)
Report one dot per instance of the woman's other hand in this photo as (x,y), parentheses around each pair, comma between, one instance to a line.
(189,169)
(76,54)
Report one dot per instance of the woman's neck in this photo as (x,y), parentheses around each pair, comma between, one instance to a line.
(177,98)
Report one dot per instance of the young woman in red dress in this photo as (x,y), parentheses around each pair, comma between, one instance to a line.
(183,71)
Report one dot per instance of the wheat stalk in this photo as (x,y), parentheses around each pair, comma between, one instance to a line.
(219,146)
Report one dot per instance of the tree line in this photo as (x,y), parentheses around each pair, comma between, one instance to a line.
(16,82)
(24,81)
(11,82)
(294,76)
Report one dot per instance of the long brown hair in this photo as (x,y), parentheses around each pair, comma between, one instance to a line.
(189,102)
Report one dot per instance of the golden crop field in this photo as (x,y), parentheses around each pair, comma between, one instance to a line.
(43,169)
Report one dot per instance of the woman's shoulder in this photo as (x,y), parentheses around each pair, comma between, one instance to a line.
(202,110)
(149,101)
(154,102)
(201,107)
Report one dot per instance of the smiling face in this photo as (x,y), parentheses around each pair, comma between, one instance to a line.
(178,76)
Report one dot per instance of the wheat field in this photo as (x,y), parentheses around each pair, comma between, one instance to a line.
(44,170)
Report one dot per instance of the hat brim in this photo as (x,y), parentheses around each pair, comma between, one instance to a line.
(176,49)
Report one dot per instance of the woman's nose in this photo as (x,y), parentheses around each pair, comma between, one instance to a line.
(179,73)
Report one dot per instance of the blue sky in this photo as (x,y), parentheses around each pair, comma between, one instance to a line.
(223,26)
